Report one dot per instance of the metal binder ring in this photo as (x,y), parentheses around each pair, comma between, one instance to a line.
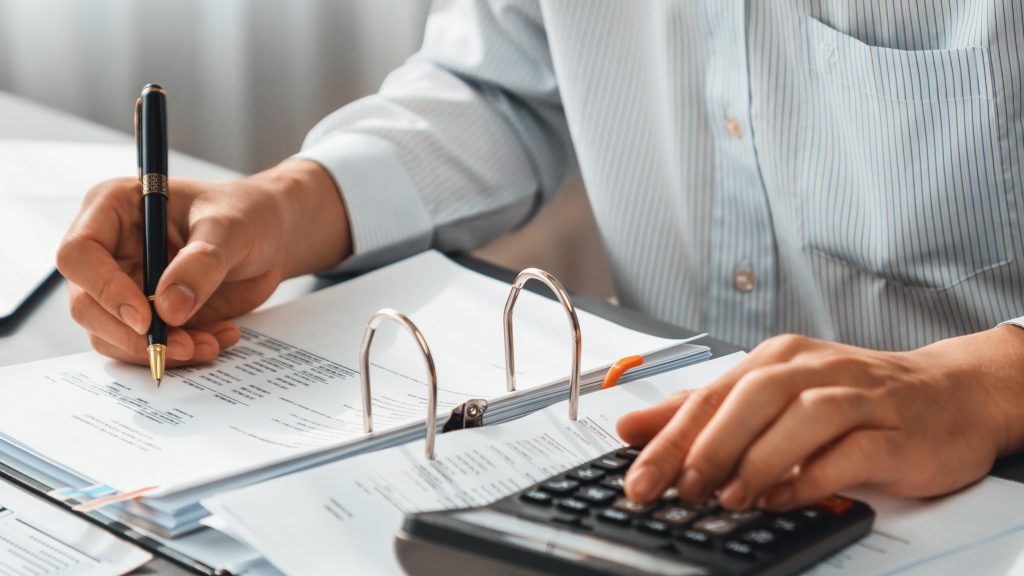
(574,325)
(364,372)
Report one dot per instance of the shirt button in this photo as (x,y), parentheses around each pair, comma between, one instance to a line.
(744,279)
(733,127)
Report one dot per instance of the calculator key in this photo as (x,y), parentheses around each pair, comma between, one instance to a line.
(655,527)
(587,474)
(560,486)
(573,505)
(627,505)
(596,495)
(611,463)
(744,517)
(716,525)
(670,494)
(808,515)
(739,549)
(574,521)
(617,483)
(760,537)
(628,453)
(784,525)
(695,538)
(536,497)
(675,515)
(614,516)
(709,506)
(836,504)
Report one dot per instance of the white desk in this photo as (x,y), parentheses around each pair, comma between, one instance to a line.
(49,330)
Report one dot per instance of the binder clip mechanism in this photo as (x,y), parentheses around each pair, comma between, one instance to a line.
(469,414)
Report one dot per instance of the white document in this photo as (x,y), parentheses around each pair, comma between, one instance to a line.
(290,388)
(42,184)
(908,533)
(347,513)
(39,539)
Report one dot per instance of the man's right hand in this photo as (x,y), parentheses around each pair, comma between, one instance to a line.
(230,242)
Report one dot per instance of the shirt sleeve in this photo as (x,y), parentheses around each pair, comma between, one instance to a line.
(460,144)
(1015,322)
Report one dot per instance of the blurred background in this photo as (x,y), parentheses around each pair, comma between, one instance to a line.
(254,76)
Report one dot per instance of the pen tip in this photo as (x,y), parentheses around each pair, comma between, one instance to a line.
(158,381)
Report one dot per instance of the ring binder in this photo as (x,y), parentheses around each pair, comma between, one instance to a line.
(574,325)
(364,372)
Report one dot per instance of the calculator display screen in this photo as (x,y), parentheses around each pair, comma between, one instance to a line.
(572,546)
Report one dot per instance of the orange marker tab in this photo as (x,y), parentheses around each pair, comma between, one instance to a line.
(620,368)
(835,504)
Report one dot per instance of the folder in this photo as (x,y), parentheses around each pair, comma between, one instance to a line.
(289,396)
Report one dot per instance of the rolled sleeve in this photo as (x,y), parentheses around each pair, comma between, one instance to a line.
(387,216)
(1014,322)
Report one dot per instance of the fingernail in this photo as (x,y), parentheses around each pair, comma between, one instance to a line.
(780,498)
(204,350)
(132,317)
(176,350)
(692,485)
(179,299)
(642,482)
(734,496)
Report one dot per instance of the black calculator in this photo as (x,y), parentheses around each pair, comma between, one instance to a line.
(580,522)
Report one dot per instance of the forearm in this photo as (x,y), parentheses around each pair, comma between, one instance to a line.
(992,363)
(316,231)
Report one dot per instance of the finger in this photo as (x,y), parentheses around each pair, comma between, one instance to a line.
(226,333)
(198,269)
(659,465)
(760,397)
(637,428)
(849,463)
(89,314)
(815,419)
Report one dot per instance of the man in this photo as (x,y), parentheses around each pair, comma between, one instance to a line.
(849,171)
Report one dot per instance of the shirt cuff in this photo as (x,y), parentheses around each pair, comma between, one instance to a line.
(1015,322)
(387,218)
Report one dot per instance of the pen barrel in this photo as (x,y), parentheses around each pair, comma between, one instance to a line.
(154,256)
(153,130)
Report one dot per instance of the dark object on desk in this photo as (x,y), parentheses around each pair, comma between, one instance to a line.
(151,139)
(578,522)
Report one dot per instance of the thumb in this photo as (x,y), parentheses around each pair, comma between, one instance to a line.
(197,271)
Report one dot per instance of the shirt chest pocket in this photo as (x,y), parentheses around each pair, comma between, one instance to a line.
(901,164)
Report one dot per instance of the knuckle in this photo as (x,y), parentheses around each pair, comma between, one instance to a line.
(209,253)
(753,382)
(786,344)
(705,402)
(79,304)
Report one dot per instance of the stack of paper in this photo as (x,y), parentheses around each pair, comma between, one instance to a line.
(288,397)
(346,514)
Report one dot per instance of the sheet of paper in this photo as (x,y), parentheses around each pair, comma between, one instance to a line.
(39,539)
(42,184)
(907,533)
(274,398)
(347,513)
(1003,556)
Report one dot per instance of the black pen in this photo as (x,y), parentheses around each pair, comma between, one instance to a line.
(151,140)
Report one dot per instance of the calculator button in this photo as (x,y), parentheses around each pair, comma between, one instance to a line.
(654,527)
(716,525)
(587,474)
(595,495)
(627,505)
(611,464)
(614,516)
(574,521)
(695,538)
(537,497)
(670,494)
(739,549)
(759,537)
(709,506)
(744,517)
(784,525)
(617,483)
(560,486)
(628,453)
(675,515)
(573,505)
(836,504)
(808,515)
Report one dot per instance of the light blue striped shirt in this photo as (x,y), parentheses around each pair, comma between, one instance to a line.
(845,169)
